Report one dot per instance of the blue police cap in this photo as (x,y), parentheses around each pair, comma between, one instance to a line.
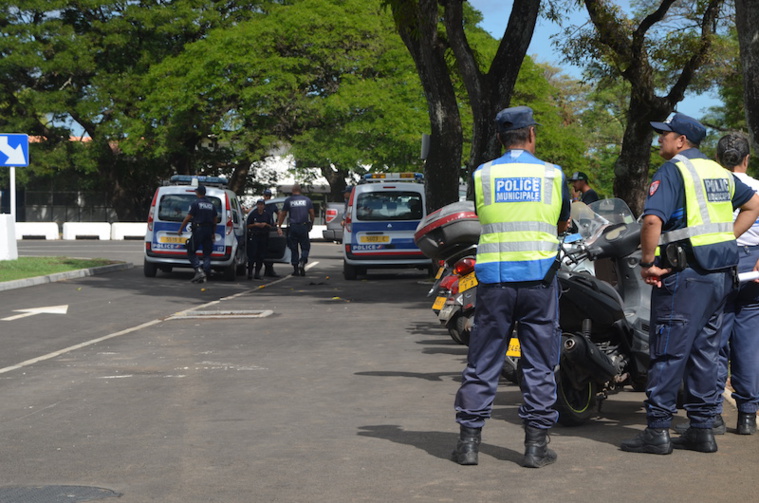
(509,119)
(260,201)
(267,192)
(201,190)
(684,125)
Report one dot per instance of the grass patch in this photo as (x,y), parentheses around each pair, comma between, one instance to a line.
(29,267)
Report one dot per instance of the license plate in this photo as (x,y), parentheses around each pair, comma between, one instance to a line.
(374,239)
(515,349)
(173,239)
(467,282)
(439,303)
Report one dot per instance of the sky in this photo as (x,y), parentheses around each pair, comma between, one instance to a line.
(496,14)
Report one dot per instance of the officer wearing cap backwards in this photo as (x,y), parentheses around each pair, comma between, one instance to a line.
(689,212)
(522,203)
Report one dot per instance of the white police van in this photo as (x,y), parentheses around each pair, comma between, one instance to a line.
(384,210)
(164,249)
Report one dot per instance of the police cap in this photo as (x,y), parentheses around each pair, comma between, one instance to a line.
(684,125)
(513,118)
(201,190)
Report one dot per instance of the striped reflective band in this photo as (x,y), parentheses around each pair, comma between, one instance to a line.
(517,246)
(519,227)
(689,232)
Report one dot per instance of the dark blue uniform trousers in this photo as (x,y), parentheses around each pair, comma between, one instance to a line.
(202,238)
(686,314)
(297,234)
(740,339)
(535,312)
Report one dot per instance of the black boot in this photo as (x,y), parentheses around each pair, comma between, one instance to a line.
(303,267)
(296,270)
(746,423)
(250,273)
(468,446)
(651,441)
(718,427)
(536,451)
(269,271)
(258,273)
(696,439)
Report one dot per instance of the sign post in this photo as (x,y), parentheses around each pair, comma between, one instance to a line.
(14,152)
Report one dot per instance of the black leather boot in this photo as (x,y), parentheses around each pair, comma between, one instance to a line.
(718,428)
(468,446)
(650,441)
(250,273)
(696,439)
(746,423)
(536,451)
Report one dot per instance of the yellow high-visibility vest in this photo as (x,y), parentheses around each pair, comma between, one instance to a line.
(518,205)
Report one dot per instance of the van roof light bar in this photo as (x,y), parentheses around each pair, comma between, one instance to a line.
(395,177)
(195,180)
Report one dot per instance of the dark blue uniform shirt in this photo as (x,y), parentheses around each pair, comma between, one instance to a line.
(254,217)
(297,207)
(203,212)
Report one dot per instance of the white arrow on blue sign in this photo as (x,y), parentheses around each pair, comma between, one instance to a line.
(14,149)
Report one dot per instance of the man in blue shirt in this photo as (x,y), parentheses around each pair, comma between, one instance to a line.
(688,254)
(204,218)
(301,219)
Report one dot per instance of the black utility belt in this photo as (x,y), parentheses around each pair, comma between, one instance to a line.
(676,256)
(299,223)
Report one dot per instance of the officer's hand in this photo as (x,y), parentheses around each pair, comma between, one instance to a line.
(652,275)
(179,232)
(279,231)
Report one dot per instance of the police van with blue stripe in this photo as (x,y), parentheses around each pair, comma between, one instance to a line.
(384,210)
(164,249)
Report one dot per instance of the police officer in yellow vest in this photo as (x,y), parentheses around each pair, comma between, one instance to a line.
(522,203)
(689,254)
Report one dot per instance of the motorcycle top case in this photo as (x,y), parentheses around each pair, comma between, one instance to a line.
(448,230)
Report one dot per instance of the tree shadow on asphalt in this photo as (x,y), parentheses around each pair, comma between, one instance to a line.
(436,443)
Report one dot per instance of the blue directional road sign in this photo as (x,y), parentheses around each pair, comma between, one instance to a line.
(14,149)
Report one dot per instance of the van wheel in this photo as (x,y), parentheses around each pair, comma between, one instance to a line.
(149,269)
(230,272)
(349,272)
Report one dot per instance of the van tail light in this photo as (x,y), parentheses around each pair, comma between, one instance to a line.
(464,266)
(229,225)
(349,220)
(331,214)
(151,215)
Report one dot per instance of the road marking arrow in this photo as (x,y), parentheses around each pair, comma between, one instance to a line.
(15,155)
(37,310)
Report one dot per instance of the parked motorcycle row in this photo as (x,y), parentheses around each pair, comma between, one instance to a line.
(604,302)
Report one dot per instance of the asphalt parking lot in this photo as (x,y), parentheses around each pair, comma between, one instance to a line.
(342,392)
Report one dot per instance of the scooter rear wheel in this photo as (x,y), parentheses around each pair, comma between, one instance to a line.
(575,403)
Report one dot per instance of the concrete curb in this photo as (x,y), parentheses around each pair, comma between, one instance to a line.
(52,278)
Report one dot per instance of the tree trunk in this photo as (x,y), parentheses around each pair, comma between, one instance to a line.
(417,25)
(747,23)
(491,92)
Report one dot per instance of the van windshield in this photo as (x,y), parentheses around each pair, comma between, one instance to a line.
(389,205)
(174,207)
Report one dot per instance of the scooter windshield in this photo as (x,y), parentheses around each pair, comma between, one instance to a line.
(593,218)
